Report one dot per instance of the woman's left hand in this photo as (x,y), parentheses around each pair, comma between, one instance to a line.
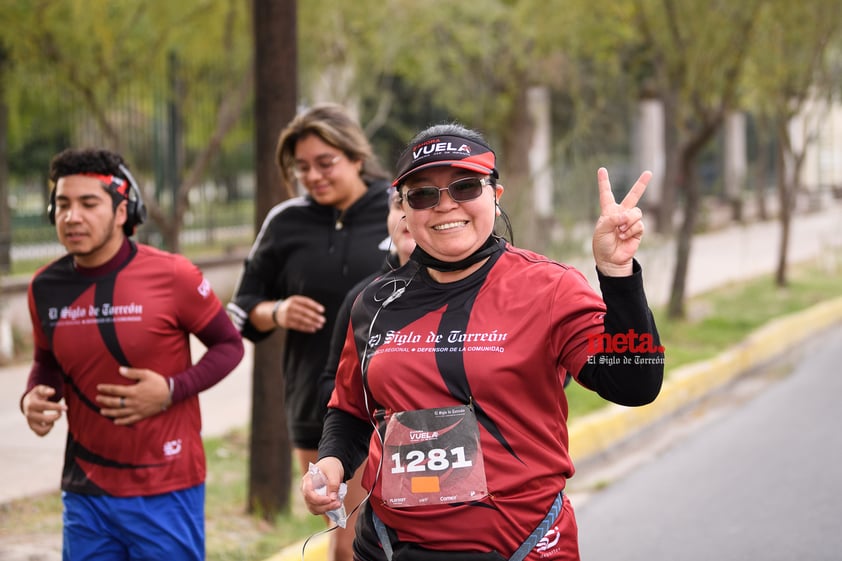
(321,502)
(619,228)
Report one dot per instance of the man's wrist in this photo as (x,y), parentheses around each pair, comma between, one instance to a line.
(171,383)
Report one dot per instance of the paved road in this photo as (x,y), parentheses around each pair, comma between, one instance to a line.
(754,476)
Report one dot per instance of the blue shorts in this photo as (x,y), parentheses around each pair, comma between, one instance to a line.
(103,528)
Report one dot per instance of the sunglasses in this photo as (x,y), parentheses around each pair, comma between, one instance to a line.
(461,190)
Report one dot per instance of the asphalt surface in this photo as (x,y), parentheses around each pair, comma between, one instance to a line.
(751,474)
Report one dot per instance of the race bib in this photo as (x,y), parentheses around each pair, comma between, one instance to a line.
(433,456)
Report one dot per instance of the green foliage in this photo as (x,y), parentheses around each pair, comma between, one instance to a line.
(107,62)
(406,64)
(439,60)
(443,40)
(344,50)
(696,47)
(402,63)
(791,58)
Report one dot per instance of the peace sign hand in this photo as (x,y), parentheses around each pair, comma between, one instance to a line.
(619,228)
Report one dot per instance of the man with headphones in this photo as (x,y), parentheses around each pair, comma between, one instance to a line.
(111,324)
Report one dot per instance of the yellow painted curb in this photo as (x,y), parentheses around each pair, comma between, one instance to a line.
(316,550)
(600,430)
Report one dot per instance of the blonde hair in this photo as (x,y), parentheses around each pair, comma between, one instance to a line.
(333,124)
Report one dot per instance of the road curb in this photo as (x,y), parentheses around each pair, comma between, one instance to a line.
(597,432)
(316,550)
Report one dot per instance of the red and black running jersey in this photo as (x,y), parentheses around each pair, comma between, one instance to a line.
(501,339)
(140,315)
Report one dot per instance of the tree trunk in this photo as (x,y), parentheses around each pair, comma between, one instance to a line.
(789,164)
(686,154)
(785,217)
(651,153)
(270,462)
(175,150)
(676,307)
(276,93)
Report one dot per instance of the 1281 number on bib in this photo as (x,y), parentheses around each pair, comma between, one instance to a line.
(435,457)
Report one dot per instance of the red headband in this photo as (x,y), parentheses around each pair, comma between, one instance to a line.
(118,184)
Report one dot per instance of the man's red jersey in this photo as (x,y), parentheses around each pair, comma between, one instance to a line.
(140,315)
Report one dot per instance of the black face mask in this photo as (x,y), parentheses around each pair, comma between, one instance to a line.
(490,246)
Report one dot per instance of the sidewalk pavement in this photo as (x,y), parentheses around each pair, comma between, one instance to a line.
(30,465)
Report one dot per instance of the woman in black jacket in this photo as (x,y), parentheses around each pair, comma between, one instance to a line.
(310,251)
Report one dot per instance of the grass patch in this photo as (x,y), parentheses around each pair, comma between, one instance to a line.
(32,515)
(232,534)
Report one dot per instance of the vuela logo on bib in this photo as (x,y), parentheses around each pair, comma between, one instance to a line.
(420,435)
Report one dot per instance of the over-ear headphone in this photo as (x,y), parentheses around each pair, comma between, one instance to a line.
(135,209)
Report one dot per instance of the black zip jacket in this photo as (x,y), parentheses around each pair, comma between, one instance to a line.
(317,251)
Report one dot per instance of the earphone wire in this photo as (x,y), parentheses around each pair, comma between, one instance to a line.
(369,412)
(373,422)
(363,361)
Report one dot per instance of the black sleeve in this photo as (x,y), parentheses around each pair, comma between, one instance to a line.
(345,437)
(327,379)
(252,289)
(632,373)
(256,284)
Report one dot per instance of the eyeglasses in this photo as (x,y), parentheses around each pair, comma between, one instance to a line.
(323,164)
(461,190)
